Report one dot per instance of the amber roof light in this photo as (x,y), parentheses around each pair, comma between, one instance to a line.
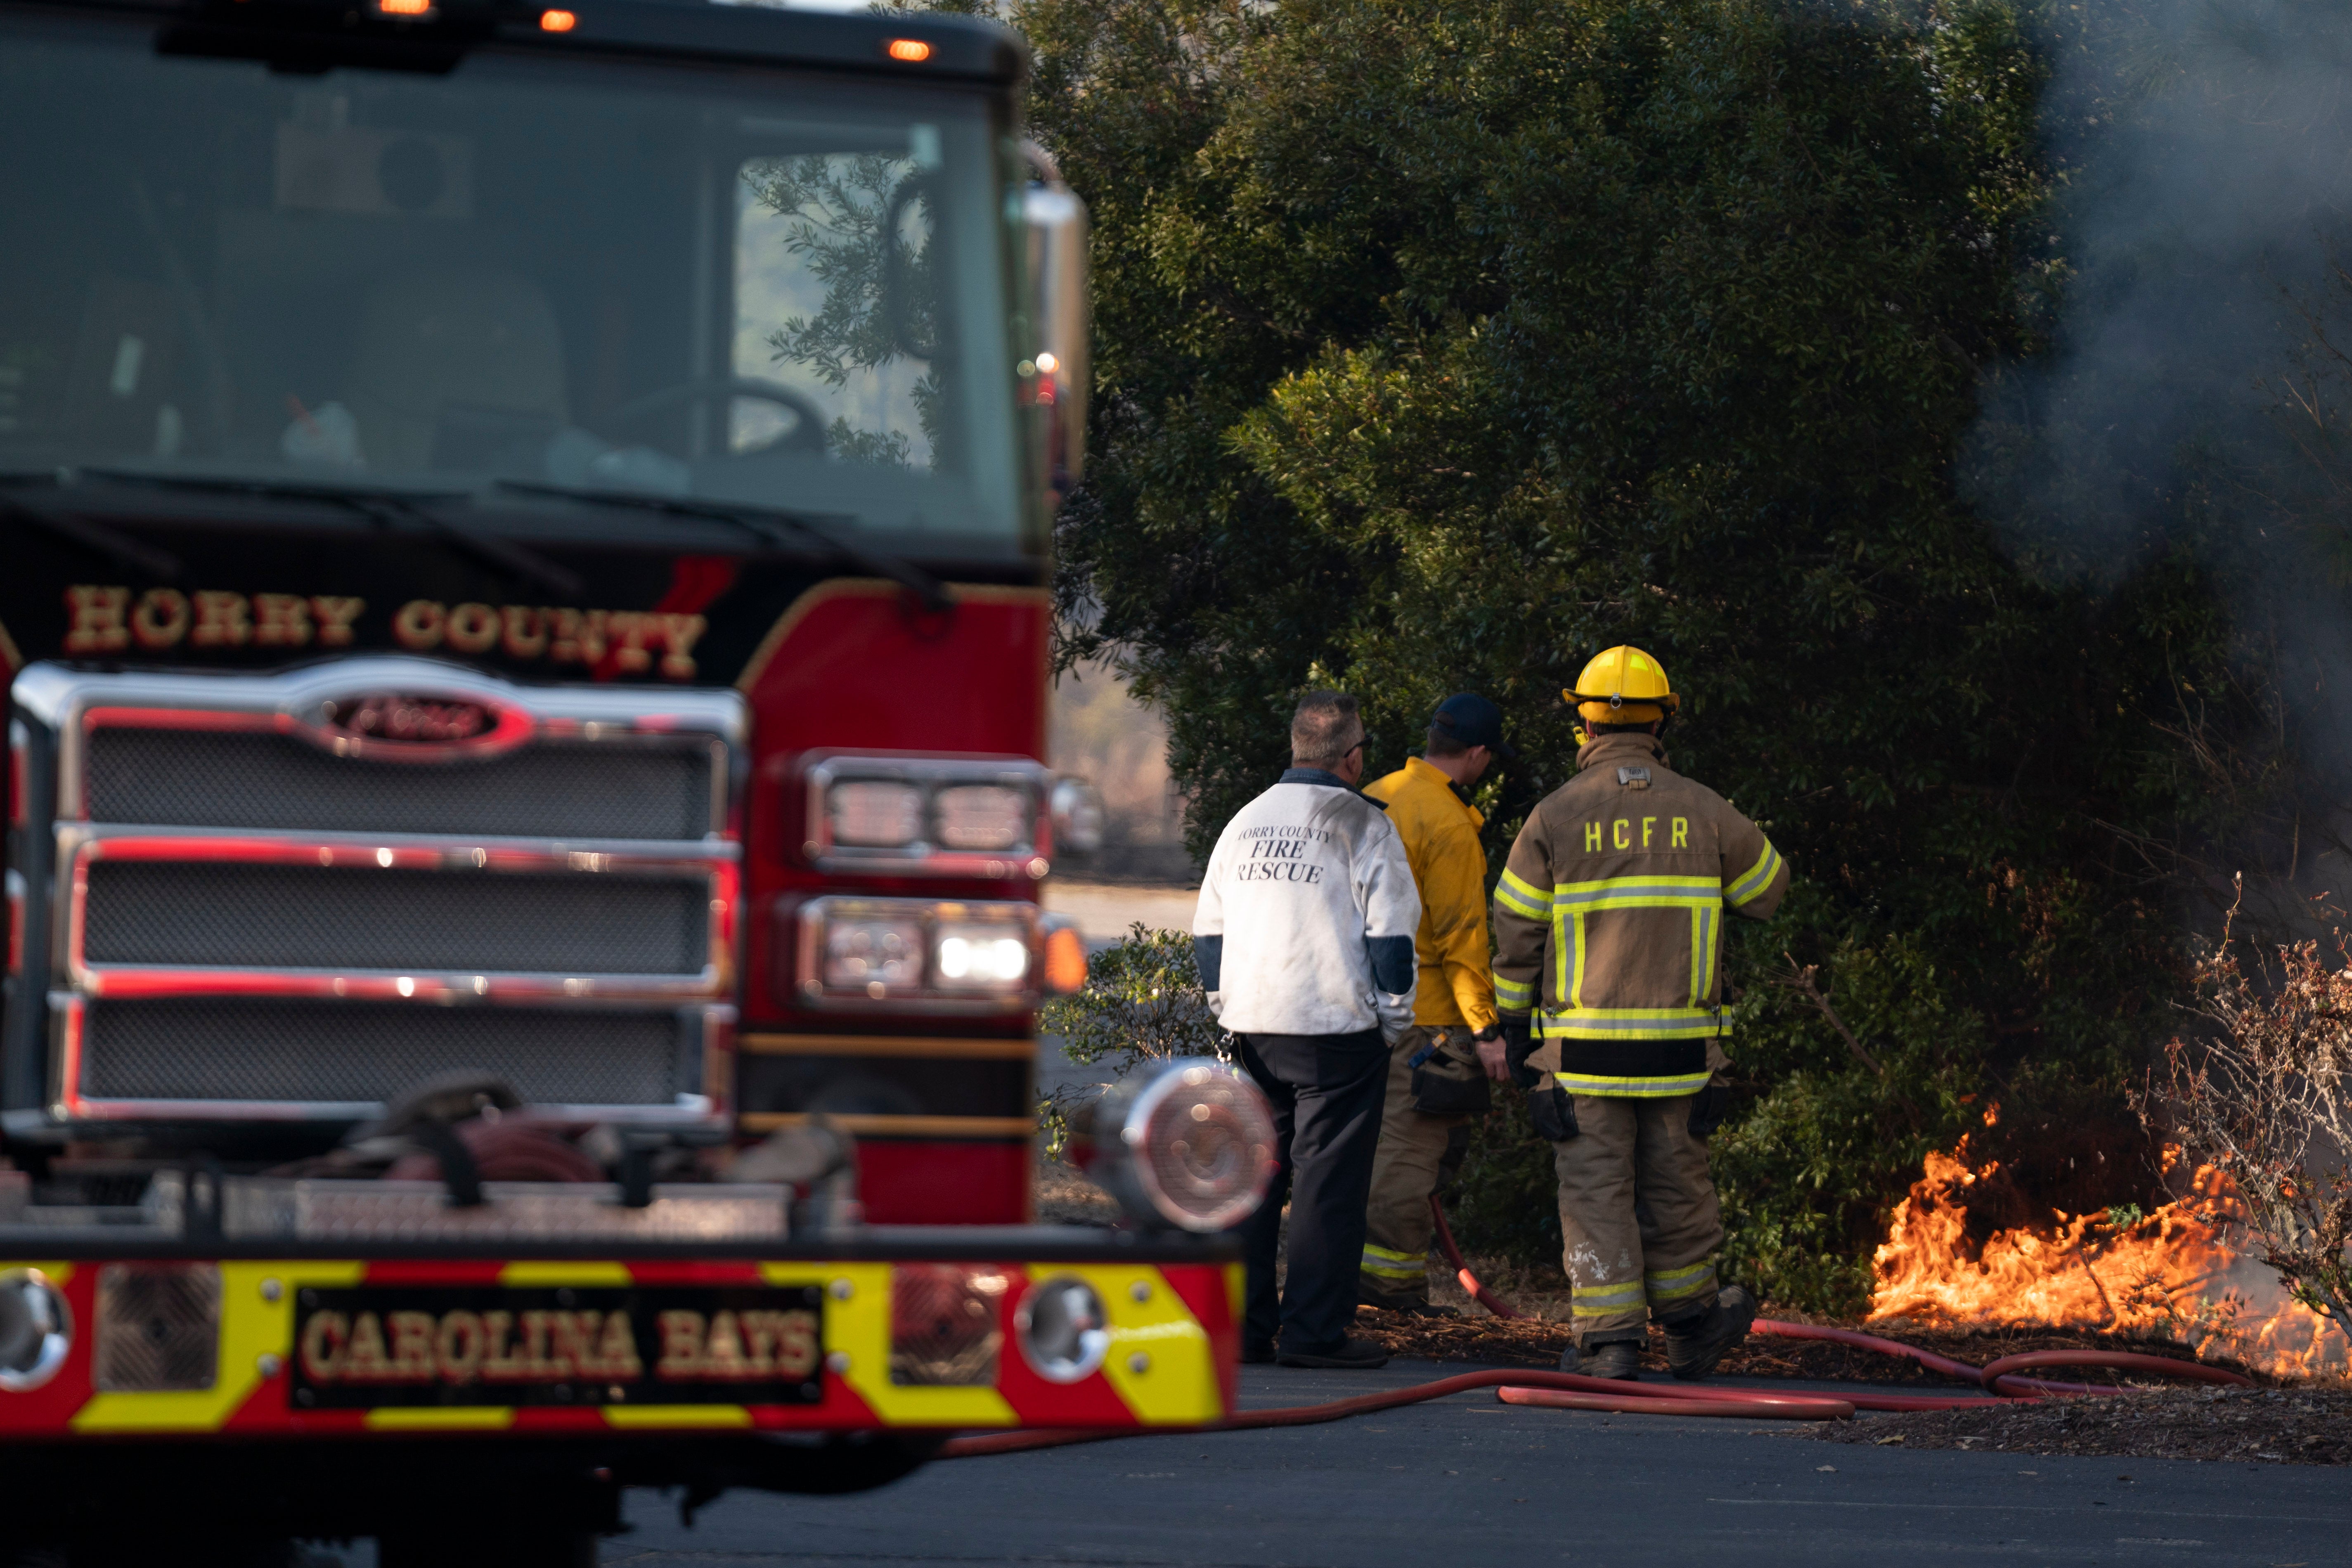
(557,21)
(912,50)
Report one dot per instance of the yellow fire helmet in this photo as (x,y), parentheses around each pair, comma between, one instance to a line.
(1624,686)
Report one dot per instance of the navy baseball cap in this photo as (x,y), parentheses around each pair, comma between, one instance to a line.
(1475,722)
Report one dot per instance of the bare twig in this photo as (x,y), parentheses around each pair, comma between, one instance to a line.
(2115,1319)
(2266,1100)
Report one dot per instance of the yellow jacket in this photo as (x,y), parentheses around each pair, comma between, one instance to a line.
(1441,843)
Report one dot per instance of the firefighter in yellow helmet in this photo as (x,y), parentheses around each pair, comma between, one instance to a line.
(1608,929)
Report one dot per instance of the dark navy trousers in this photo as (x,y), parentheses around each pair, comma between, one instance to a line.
(1327,1092)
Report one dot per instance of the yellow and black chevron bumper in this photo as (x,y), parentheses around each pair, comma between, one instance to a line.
(354,1348)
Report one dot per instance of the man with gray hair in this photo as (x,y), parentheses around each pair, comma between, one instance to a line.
(1305,935)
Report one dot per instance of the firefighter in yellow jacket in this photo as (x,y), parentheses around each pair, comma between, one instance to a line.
(1438,1071)
(1609,929)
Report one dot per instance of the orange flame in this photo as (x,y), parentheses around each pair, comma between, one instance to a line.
(2177,1273)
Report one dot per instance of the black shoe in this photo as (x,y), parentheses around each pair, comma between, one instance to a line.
(1618,1359)
(1697,1344)
(1254,1354)
(1354,1354)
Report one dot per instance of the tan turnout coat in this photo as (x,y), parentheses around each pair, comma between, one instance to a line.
(1609,920)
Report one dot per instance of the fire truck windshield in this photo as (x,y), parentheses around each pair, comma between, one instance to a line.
(733,285)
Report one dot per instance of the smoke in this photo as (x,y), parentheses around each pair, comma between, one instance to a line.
(2189,404)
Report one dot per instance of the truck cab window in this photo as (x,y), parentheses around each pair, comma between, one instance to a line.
(741,288)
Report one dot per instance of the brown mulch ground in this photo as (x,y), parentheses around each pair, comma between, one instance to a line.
(2280,1425)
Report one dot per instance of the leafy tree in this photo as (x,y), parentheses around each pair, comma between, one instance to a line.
(1442,346)
(844,218)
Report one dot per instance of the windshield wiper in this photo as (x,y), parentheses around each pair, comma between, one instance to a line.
(112,543)
(770,524)
(380,505)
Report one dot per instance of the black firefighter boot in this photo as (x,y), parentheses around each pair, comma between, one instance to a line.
(1695,1344)
(1620,1360)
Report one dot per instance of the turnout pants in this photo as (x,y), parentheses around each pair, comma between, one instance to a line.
(1418,1155)
(1638,1215)
(1324,1091)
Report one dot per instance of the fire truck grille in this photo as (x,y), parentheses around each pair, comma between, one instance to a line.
(194,1048)
(298,917)
(195,778)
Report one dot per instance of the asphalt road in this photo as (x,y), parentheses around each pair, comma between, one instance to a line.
(1469,1482)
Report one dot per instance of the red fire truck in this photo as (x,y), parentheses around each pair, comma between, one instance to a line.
(524,539)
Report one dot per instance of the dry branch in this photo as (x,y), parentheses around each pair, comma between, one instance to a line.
(2267,1100)
(1799,979)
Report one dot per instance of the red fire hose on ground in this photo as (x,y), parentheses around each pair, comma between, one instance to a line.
(1572,1391)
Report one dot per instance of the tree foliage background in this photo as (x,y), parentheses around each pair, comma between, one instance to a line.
(1439,346)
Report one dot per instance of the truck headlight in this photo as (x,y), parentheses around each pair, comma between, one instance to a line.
(979,950)
(874,953)
(35,1329)
(874,813)
(945,955)
(904,814)
(1062,1330)
(985,816)
(1191,1145)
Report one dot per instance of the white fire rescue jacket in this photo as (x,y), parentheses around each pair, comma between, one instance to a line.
(1307,913)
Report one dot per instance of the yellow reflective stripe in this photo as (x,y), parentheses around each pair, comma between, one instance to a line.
(1632,1088)
(1638,893)
(1695,995)
(1514,995)
(1759,877)
(1669,1275)
(1639,900)
(1633,1024)
(1392,1264)
(659,1418)
(477,1418)
(1679,1284)
(1575,993)
(1645,879)
(1521,896)
(1711,935)
(1608,1297)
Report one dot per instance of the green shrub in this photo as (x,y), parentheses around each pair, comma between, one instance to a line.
(1440,347)
(1142,1003)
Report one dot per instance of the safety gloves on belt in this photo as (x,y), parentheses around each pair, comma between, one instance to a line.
(1518,1044)
(1553,1113)
(1707,1109)
(1548,1106)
